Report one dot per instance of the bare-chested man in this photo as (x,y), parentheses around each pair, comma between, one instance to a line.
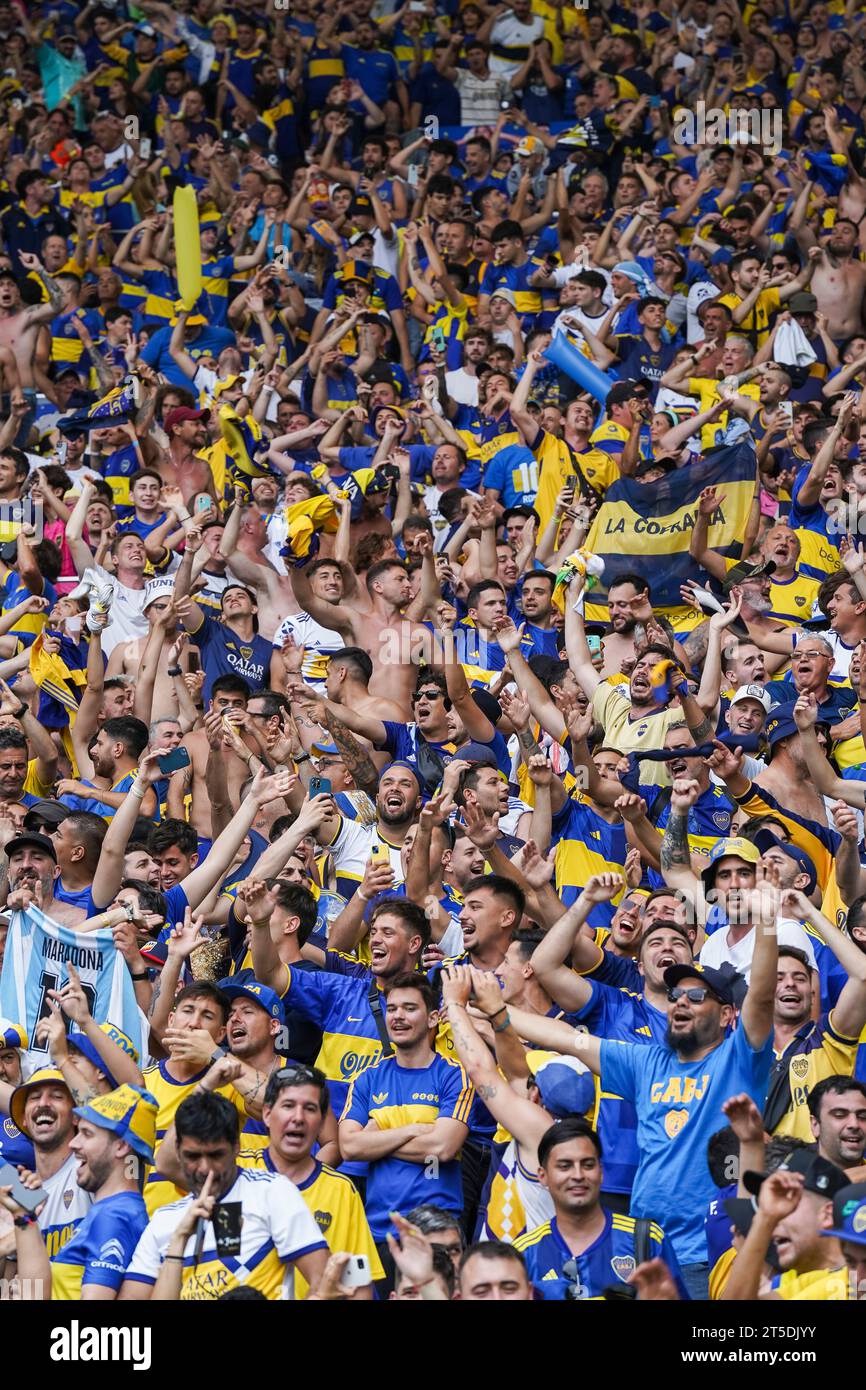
(396,644)
(839,280)
(126,658)
(20,326)
(228,705)
(182,465)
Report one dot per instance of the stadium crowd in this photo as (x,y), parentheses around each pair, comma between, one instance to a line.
(433,650)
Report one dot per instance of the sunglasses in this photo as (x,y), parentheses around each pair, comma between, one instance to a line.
(296,1073)
(427,695)
(695,994)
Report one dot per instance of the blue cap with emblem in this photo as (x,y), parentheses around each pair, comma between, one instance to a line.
(849,1214)
(244,985)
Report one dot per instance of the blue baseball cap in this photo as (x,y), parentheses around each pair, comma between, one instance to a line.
(715,981)
(403,762)
(849,1214)
(780,724)
(244,985)
(81,1042)
(566,1085)
(765,839)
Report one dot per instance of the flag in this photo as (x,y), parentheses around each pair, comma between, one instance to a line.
(828,170)
(116,407)
(246,448)
(60,679)
(38,952)
(645,528)
(305,520)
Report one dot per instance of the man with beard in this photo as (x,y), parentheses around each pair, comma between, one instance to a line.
(406,1109)
(345,999)
(114,752)
(678,1087)
(792,591)
(296,1109)
(572,1255)
(632,1010)
(625,594)
(536,600)
(115,1136)
(837,1114)
(351,843)
(42,1109)
(33,872)
(276,1229)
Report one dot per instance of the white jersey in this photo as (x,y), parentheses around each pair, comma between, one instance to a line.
(127,620)
(350,851)
(276,1228)
(319,644)
(65,1209)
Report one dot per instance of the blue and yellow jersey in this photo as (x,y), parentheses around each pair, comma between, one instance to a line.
(12,593)
(629,1017)
(335,1205)
(276,1230)
(586,844)
(100,1249)
(819,842)
(216,273)
(819,1285)
(323,71)
(66,346)
(756,324)
(117,469)
(392,1096)
(815,1052)
(282,119)
(610,1258)
(161,294)
(706,389)
(527,301)
(709,820)
(100,808)
(611,438)
(792,599)
(169,1093)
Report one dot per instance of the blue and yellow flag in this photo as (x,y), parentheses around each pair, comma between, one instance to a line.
(116,407)
(645,528)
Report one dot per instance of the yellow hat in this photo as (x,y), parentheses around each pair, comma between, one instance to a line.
(45,1076)
(130,1113)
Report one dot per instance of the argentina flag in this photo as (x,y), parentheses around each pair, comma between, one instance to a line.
(38,952)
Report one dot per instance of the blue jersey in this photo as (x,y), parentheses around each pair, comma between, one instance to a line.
(15,1147)
(586,844)
(401,741)
(97,807)
(101,1248)
(679,1106)
(628,1017)
(392,1095)
(610,1258)
(513,472)
(223,653)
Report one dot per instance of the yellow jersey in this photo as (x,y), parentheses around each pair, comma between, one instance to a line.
(169,1093)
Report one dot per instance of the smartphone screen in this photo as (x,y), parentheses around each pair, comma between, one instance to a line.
(194,659)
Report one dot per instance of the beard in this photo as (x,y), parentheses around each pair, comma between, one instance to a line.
(701,1032)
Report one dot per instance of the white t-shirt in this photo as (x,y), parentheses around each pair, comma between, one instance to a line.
(716,949)
(699,292)
(127,620)
(462,387)
(318,642)
(66,1206)
(511,32)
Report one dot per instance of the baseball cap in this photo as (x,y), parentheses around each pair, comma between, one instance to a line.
(161,587)
(82,1043)
(475,752)
(403,762)
(765,839)
(129,1112)
(819,1175)
(507,295)
(780,724)
(665,462)
(738,573)
(181,414)
(45,1076)
(34,840)
(356,270)
(237,987)
(802,303)
(622,391)
(358,236)
(566,1085)
(394,409)
(529,145)
(753,692)
(735,847)
(741,1211)
(12,1034)
(45,810)
(360,203)
(849,1214)
(704,974)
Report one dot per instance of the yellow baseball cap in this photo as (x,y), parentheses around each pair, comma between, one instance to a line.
(130,1113)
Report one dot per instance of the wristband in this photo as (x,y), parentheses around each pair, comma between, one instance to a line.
(498,1011)
(174,671)
(362,896)
(142,975)
(185,516)
(502,1027)
(138,790)
(303,758)
(177,1258)
(22,709)
(22,1222)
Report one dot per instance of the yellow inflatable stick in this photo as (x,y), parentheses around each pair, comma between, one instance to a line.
(187,245)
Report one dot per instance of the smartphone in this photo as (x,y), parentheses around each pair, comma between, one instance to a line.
(379,854)
(227,1221)
(204,503)
(320,786)
(437,339)
(786,408)
(593,641)
(412,175)
(417,7)
(194,659)
(357,1274)
(655,102)
(145,147)
(170,762)
(26,1197)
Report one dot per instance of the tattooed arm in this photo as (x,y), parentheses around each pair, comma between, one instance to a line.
(675,856)
(356,758)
